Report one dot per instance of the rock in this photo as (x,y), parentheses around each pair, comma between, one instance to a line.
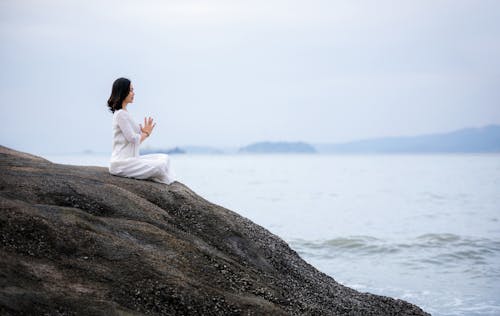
(76,240)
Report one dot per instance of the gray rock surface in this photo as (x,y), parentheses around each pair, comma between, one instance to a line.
(75,240)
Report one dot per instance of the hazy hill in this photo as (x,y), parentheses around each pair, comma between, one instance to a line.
(468,140)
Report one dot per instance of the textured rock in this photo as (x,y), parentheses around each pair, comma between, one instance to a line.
(75,240)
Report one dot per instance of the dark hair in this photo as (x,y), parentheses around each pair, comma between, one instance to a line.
(120,90)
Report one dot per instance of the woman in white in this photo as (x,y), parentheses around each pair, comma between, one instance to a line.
(127,137)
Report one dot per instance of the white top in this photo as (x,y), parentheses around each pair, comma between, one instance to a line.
(125,159)
(126,136)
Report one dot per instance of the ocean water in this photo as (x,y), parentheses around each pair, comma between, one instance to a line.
(423,228)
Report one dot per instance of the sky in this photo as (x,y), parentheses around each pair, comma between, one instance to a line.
(230,73)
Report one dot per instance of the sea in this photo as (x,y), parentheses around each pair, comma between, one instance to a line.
(424,228)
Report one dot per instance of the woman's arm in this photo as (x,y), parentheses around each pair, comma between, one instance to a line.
(128,131)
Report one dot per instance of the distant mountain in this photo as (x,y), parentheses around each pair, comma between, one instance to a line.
(468,140)
(278,147)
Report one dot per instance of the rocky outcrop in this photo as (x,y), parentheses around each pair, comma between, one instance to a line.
(75,240)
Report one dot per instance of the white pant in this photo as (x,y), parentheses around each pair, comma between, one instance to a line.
(155,167)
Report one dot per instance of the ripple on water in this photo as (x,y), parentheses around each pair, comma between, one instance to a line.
(430,249)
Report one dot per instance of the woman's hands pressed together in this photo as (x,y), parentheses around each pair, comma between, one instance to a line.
(148,126)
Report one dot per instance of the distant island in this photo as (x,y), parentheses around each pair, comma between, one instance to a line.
(170,151)
(197,150)
(468,140)
(202,150)
(278,147)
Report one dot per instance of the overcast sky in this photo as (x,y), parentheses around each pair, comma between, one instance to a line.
(228,73)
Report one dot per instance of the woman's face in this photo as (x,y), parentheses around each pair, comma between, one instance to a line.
(130,96)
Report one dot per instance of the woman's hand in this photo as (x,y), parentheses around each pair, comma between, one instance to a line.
(148,125)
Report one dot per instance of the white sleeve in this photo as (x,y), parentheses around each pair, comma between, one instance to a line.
(127,129)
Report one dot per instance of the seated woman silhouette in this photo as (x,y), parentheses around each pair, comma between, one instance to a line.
(127,137)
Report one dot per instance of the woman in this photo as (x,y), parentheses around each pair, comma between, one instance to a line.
(127,136)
